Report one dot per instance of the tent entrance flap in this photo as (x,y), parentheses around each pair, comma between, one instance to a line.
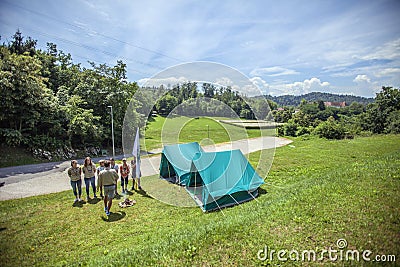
(176,160)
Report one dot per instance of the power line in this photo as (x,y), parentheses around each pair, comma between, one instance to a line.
(93,48)
(94,32)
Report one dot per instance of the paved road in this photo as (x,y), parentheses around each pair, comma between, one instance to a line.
(52,177)
(40,167)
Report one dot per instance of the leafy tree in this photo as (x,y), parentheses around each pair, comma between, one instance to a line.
(166,104)
(26,101)
(321,105)
(378,116)
(19,46)
(82,126)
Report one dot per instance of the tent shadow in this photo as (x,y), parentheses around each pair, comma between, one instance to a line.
(262,191)
(114,216)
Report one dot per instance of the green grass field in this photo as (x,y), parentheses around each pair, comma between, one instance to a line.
(317,191)
(184,130)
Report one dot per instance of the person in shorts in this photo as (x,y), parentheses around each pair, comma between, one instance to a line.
(134,178)
(124,171)
(107,179)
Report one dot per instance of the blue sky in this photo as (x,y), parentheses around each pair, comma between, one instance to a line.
(284,47)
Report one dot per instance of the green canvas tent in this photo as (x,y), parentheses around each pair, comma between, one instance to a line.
(227,179)
(213,179)
(176,161)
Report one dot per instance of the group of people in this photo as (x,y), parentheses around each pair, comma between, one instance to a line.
(108,173)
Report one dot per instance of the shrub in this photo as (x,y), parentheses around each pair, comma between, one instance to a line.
(330,129)
(280,130)
(303,130)
(290,129)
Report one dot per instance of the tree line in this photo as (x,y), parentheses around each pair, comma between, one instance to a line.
(312,117)
(295,100)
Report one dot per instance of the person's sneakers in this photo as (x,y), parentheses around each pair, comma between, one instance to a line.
(107,213)
(132,188)
(95,196)
(79,199)
(76,200)
(88,198)
(105,209)
(140,188)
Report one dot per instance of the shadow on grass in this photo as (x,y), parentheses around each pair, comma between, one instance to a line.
(114,216)
(94,200)
(119,196)
(2,229)
(142,193)
(78,204)
(262,191)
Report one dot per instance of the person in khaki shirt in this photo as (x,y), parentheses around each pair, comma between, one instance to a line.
(107,179)
(75,175)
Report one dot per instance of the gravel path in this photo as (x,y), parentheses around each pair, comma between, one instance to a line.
(56,179)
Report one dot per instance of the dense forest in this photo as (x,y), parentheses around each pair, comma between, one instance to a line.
(50,103)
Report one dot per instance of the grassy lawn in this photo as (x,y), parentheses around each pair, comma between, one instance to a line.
(317,191)
(185,129)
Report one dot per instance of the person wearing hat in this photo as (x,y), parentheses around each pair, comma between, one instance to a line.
(124,171)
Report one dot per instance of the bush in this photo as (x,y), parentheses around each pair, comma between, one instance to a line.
(303,130)
(393,122)
(330,129)
(280,130)
(11,137)
(290,129)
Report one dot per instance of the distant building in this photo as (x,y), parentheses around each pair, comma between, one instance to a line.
(335,104)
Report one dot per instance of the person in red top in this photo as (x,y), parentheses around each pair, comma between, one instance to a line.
(124,171)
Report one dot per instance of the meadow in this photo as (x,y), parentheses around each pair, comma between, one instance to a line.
(317,191)
(205,130)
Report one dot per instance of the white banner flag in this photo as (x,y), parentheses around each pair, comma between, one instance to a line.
(136,153)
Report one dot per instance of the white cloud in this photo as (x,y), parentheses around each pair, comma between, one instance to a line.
(258,81)
(362,78)
(365,86)
(248,89)
(307,86)
(295,88)
(388,72)
(273,71)
(390,50)
(162,81)
(224,81)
